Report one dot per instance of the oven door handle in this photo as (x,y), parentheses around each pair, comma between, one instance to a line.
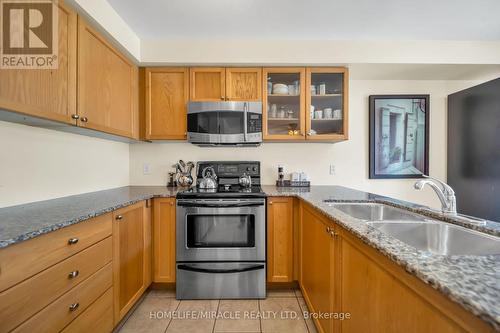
(212,270)
(219,205)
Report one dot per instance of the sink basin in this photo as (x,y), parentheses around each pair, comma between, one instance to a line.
(376,212)
(441,238)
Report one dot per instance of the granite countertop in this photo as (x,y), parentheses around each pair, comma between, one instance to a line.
(471,281)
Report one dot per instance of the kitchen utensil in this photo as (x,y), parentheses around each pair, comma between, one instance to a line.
(171,180)
(245,180)
(328,113)
(209,181)
(183,165)
(318,114)
(280,89)
(184,179)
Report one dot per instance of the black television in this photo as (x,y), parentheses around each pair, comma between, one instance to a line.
(474,149)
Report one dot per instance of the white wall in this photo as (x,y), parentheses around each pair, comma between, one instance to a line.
(350,158)
(40,164)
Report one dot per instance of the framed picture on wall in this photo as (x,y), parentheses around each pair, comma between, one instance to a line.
(399,136)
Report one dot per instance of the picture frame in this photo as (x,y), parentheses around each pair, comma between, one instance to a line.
(398,136)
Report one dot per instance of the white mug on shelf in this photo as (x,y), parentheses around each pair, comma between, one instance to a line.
(328,113)
(318,114)
(337,114)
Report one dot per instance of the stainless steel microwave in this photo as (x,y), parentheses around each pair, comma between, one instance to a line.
(224,123)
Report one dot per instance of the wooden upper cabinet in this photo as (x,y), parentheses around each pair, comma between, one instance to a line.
(107,85)
(49,94)
(327,93)
(131,260)
(167,95)
(207,83)
(243,84)
(164,240)
(280,239)
(225,84)
(284,103)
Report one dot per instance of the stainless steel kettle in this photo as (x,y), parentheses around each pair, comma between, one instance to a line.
(245,180)
(209,181)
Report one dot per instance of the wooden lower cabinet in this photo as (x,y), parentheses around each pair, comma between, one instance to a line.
(280,239)
(317,273)
(98,318)
(131,260)
(382,297)
(164,240)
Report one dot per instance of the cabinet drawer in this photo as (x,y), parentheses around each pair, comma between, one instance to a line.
(21,261)
(61,312)
(98,318)
(27,298)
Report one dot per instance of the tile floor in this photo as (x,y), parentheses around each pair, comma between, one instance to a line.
(161,312)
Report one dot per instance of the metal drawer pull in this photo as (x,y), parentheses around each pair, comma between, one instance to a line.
(73,274)
(328,229)
(84,119)
(72,241)
(74,306)
(119,217)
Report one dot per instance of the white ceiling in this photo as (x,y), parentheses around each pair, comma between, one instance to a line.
(313,19)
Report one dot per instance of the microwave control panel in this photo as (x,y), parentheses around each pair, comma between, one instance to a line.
(254,123)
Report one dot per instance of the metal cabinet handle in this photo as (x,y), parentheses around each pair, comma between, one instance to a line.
(171,203)
(119,217)
(270,202)
(72,241)
(75,116)
(74,306)
(73,274)
(84,119)
(328,229)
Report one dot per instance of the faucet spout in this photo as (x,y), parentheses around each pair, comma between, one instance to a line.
(444,192)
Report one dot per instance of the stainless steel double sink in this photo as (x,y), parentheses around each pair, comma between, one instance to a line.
(421,232)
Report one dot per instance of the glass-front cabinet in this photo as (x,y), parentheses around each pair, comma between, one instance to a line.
(305,103)
(326,104)
(284,103)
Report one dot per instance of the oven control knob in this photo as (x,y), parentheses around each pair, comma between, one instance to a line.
(254,169)
(248,169)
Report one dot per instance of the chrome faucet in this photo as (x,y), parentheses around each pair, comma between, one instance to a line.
(444,192)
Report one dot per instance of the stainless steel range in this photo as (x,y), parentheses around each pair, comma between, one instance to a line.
(221,233)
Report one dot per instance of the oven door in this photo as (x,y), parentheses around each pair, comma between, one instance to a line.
(221,230)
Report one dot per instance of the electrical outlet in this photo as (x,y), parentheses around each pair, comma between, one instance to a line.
(332,169)
(146,169)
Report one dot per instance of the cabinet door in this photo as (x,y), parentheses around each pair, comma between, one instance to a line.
(167,95)
(383,297)
(130,257)
(207,83)
(244,84)
(327,103)
(317,265)
(284,104)
(280,239)
(49,94)
(107,85)
(164,240)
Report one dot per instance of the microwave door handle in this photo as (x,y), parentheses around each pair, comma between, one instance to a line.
(214,270)
(245,115)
